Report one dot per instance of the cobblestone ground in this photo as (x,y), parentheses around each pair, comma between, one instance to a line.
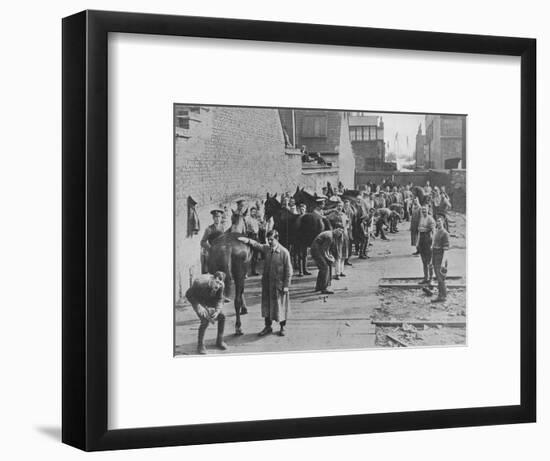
(344,320)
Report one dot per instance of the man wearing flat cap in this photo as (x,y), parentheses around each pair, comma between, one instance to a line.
(213,231)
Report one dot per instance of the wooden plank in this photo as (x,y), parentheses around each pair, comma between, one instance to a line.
(449,277)
(397,340)
(415,285)
(399,323)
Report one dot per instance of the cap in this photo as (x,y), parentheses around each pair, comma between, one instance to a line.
(335,199)
(216,211)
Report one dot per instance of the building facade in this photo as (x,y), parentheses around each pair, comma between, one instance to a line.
(323,132)
(445,141)
(367,141)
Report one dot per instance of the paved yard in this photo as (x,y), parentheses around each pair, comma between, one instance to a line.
(342,320)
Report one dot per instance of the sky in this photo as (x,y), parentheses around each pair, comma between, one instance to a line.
(404,125)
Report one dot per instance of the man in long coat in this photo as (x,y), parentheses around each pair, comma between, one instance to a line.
(275,281)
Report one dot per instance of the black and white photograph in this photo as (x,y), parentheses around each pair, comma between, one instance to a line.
(318,229)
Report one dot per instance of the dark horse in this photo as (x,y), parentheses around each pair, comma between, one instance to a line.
(419,193)
(229,255)
(295,231)
(302,196)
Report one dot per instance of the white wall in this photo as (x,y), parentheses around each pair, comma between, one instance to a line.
(30,191)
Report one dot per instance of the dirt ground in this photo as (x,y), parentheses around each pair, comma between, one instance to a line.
(344,320)
(413,305)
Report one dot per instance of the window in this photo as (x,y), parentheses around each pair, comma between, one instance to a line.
(314,126)
(182,122)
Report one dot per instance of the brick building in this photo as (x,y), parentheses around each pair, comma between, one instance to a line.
(222,153)
(367,140)
(446,141)
(325,132)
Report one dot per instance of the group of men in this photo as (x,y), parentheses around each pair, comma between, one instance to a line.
(207,299)
(331,249)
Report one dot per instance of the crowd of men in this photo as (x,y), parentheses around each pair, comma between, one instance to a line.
(387,205)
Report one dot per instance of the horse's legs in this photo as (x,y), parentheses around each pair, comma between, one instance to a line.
(303,260)
(240,307)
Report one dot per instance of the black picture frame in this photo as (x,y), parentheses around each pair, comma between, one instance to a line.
(85,223)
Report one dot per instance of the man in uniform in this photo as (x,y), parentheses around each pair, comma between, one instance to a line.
(365,229)
(275,281)
(213,231)
(426,226)
(302,209)
(339,220)
(407,202)
(252,231)
(206,297)
(440,246)
(241,207)
(382,218)
(348,210)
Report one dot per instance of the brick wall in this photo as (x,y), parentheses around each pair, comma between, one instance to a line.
(314,179)
(230,152)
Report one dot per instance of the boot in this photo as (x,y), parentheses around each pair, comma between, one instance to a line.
(200,346)
(425,279)
(220,344)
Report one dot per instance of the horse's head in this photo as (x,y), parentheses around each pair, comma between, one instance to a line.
(301,196)
(272,207)
(237,222)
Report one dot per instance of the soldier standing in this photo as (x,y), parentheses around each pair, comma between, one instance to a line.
(339,220)
(213,231)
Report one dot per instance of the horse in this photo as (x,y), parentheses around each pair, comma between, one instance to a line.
(295,231)
(419,193)
(238,224)
(301,196)
(231,256)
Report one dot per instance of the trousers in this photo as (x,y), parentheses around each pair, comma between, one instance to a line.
(437,259)
(425,249)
